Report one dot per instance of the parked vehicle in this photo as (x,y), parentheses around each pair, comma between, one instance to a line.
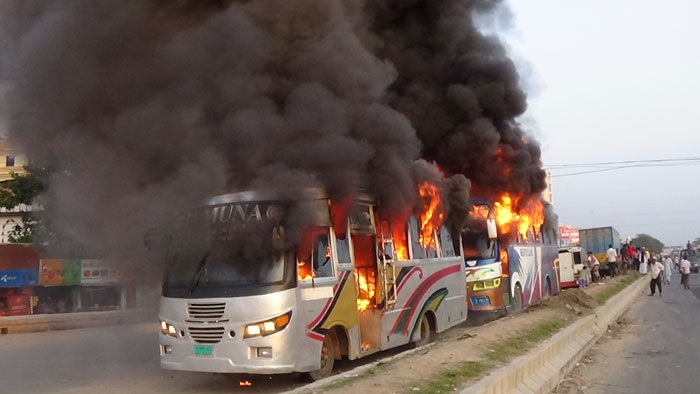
(598,240)
(572,261)
(251,291)
(505,275)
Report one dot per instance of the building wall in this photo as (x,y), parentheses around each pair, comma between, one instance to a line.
(12,159)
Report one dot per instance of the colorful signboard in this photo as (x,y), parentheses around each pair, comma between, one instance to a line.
(568,236)
(18,278)
(59,272)
(98,272)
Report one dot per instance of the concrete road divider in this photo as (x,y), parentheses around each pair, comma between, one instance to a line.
(65,321)
(541,369)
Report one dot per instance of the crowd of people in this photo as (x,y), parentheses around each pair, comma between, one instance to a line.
(659,266)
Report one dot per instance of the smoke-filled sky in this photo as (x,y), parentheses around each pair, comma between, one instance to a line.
(142,108)
(615,81)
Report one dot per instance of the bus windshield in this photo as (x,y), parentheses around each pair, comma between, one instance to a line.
(238,263)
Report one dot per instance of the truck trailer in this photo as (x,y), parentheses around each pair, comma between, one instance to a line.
(598,240)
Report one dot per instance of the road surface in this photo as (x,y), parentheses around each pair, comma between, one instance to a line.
(112,359)
(653,350)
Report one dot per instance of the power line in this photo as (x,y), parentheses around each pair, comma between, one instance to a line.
(620,165)
(554,166)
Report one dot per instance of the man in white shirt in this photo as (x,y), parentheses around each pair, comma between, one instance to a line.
(655,269)
(611,255)
(685,272)
(668,269)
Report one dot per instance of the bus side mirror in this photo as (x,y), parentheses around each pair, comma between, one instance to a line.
(278,238)
(491,229)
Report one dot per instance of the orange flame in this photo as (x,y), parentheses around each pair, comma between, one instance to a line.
(304,270)
(400,241)
(245,383)
(366,286)
(504,263)
(479,212)
(514,216)
(431,217)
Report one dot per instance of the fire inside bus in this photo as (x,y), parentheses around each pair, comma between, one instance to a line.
(270,284)
(509,264)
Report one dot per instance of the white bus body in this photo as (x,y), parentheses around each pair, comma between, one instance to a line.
(281,318)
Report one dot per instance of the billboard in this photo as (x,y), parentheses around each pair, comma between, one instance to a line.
(59,272)
(18,278)
(568,236)
(98,272)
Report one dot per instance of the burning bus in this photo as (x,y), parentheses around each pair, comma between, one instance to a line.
(268,282)
(510,262)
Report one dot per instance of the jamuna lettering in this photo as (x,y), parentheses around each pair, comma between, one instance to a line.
(242,213)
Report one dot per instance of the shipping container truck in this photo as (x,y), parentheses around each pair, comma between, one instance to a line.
(598,240)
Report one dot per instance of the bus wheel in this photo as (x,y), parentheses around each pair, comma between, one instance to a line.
(518,299)
(327,360)
(425,332)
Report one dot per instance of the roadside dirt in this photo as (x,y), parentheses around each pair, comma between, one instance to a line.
(576,382)
(465,343)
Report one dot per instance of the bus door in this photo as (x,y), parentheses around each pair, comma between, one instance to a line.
(364,256)
(368,298)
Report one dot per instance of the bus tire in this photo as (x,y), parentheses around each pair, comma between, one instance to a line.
(327,360)
(425,332)
(518,299)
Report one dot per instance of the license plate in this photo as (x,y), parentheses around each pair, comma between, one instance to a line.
(203,350)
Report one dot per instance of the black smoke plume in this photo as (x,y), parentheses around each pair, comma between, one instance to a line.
(143,108)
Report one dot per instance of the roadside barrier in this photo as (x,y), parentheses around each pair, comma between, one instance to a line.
(541,369)
(66,321)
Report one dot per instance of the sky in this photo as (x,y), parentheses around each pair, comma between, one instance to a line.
(614,82)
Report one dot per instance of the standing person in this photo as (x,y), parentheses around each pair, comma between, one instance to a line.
(667,269)
(655,270)
(685,272)
(636,253)
(594,266)
(643,261)
(611,256)
(624,258)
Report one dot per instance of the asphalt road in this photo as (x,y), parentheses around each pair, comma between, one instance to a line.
(655,348)
(125,359)
(112,359)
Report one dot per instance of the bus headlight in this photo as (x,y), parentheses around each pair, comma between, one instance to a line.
(267,327)
(168,329)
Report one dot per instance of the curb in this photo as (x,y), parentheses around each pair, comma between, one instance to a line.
(541,369)
(66,321)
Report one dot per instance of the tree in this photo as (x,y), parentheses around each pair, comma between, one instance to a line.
(22,189)
(652,244)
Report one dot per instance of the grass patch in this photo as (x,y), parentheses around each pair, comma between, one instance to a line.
(618,287)
(452,379)
(506,350)
(501,352)
(347,380)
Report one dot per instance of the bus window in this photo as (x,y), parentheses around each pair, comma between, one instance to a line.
(343,248)
(323,266)
(304,257)
(418,251)
(446,242)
